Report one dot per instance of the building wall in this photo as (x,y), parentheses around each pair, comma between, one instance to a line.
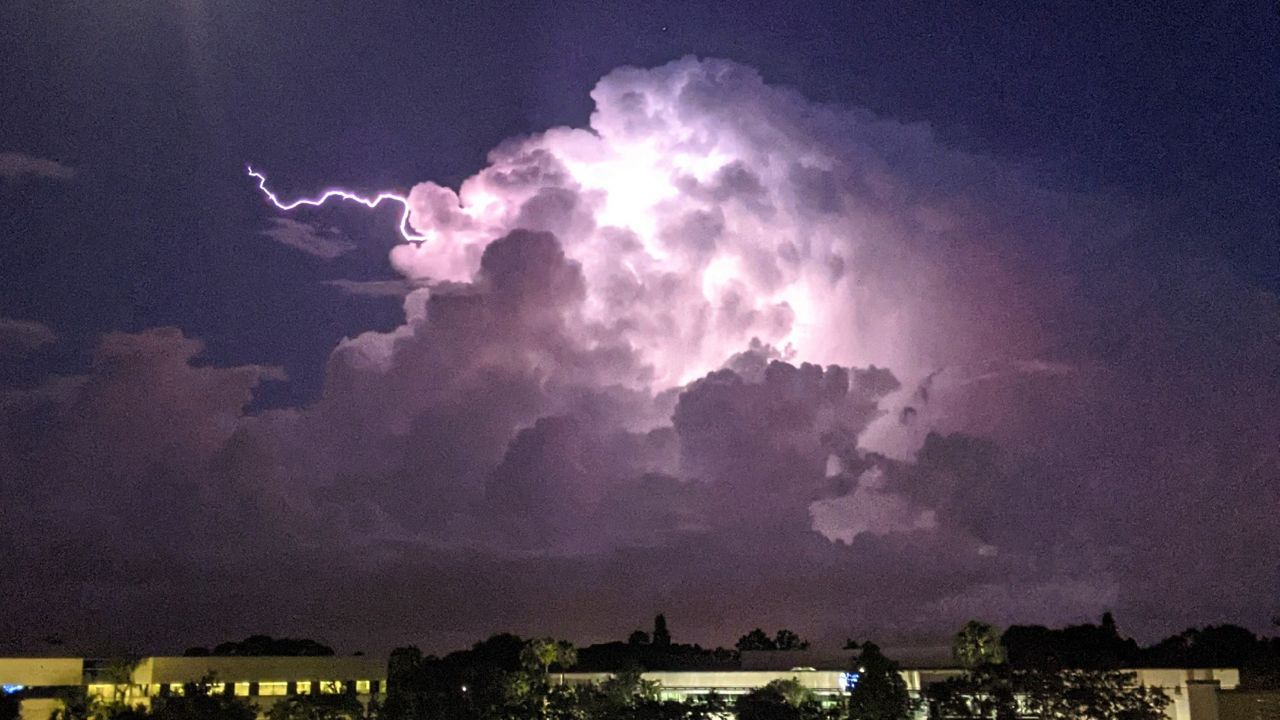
(44,676)
(41,672)
(1249,705)
(260,680)
(1192,692)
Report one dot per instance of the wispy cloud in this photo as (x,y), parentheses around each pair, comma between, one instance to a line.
(17,167)
(312,240)
(376,288)
(18,337)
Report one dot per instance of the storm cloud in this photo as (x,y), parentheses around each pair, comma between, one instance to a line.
(725,354)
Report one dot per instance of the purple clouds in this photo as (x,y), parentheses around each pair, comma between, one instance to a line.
(726,354)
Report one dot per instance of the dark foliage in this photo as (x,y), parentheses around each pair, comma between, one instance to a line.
(653,652)
(318,707)
(1076,646)
(782,700)
(265,645)
(784,639)
(1101,647)
(880,692)
(661,635)
(1001,692)
(620,656)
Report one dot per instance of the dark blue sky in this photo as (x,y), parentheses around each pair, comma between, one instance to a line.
(158,105)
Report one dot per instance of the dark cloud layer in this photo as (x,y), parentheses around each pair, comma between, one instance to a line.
(818,370)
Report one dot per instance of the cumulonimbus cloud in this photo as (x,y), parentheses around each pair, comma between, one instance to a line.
(725,353)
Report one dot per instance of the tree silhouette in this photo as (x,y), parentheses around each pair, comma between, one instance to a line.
(661,636)
(880,693)
(976,644)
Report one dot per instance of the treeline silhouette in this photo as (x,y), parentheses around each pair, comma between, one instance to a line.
(263,646)
(1102,647)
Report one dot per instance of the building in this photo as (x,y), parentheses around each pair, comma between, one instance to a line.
(1193,693)
(40,682)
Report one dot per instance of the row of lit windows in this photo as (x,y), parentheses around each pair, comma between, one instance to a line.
(241,689)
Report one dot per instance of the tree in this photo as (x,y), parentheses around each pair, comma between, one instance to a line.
(628,686)
(781,700)
(879,693)
(317,707)
(198,702)
(542,653)
(119,673)
(976,644)
(639,637)
(1099,647)
(661,636)
(756,640)
(986,692)
(1000,692)
(788,640)
(75,705)
(263,645)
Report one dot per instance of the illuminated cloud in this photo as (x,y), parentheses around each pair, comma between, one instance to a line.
(323,243)
(725,353)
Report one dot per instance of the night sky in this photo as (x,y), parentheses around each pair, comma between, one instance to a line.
(862,319)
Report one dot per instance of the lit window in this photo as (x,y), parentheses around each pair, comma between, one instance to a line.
(273,688)
(242,689)
(102,690)
(176,689)
(331,687)
(217,688)
(362,687)
(304,687)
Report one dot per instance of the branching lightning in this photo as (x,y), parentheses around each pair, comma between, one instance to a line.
(408,234)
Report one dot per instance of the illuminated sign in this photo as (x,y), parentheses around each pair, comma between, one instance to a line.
(849,680)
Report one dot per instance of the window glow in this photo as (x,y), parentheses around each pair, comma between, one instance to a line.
(273,688)
(331,687)
(304,687)
(242,689)
(362,687)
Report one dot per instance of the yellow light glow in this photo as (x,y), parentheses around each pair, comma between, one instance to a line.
(269,689)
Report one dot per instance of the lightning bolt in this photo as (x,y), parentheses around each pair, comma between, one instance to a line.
(370,202)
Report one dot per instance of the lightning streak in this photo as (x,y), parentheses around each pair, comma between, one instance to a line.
(373,202)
